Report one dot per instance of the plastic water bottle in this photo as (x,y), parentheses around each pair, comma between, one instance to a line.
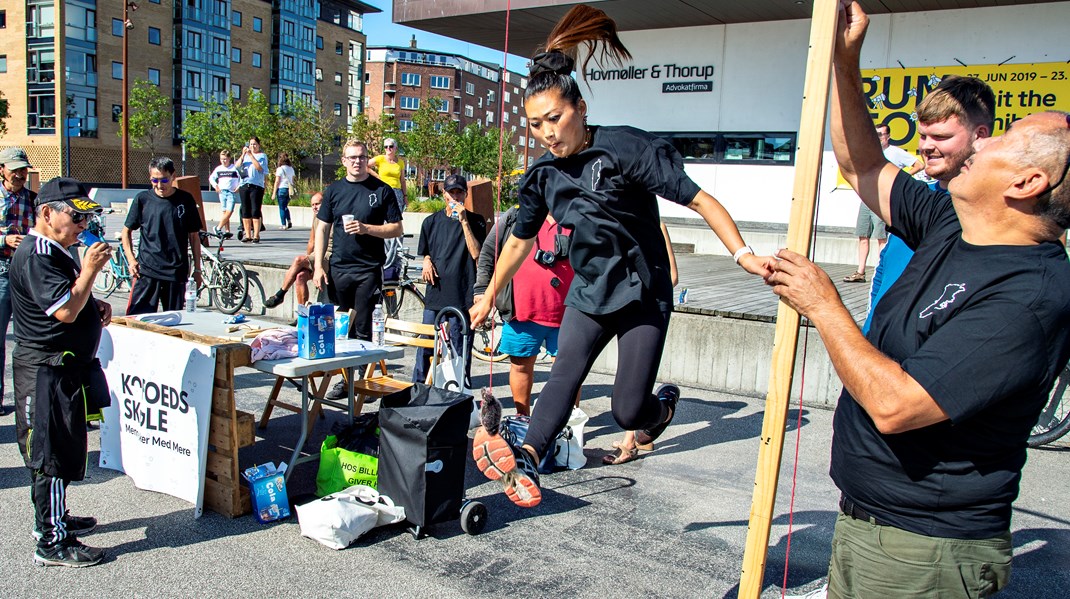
(683,296)
(378,325)
(191,295)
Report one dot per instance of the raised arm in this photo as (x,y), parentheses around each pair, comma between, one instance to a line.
(854,140)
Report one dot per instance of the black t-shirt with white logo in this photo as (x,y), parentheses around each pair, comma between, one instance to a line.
(42,275)
(607,194)
(984,330)
(371,202)
(165,225)
(442,238)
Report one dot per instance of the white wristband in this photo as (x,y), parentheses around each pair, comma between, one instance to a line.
(743,251)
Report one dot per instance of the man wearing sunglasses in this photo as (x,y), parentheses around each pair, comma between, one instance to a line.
(170,225)
(56,374)
(16,219)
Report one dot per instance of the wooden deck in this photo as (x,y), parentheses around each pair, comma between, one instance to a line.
(717,287)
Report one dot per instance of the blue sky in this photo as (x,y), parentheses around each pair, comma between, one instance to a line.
(382,31)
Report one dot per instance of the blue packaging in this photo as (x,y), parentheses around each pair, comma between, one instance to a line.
(267,487)
(341,325)
(88,238)
(315,331)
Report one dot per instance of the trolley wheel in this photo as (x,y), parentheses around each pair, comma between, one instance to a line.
(473,517)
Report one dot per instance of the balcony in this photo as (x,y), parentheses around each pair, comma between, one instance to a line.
(390,87)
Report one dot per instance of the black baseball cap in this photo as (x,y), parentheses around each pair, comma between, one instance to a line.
(455,182)
(69,191)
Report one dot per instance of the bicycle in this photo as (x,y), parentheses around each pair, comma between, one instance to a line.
(395,292)
(227,281)
(117,272)
(487,341)
(1054,421)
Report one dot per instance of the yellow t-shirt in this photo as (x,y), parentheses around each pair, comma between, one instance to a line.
(389,172)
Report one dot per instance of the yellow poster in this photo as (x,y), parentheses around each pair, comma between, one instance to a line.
(1021,89)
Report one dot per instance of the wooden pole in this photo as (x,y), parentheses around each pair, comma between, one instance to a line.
(785,341)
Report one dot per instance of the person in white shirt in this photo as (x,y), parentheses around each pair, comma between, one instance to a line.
(284,181)
(225,180)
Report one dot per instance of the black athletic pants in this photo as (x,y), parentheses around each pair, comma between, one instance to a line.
(252,200)
(640,329)
(358,291)
(148,293)
(49,496)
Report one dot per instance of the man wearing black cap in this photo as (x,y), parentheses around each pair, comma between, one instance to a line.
(16,218)
(450,241)
(56,375)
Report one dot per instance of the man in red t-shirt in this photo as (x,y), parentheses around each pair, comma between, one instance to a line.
(533,316)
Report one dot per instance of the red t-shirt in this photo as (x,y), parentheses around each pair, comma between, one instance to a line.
(535,299)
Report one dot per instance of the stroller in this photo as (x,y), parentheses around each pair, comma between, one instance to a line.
(423,452)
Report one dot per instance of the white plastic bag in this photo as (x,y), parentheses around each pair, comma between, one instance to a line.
(568,446)
(341,518)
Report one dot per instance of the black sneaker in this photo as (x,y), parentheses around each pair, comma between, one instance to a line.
(76,526)
(274,300)
(338,391)
(72,555)
(670,394)
(241,234)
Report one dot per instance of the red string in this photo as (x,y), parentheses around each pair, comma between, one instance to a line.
(798,423)
(501,157)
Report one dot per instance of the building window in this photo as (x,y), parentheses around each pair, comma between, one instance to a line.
(258,24)
(235,54)
(410,79)
(410,103)
(319,42)
(507,97)
(505,117)
(235,18)
(440,82)
(734,148)
(235,91)
(3,19)
(338,79)
(337,109)
(468,111)
(319,74)
(116,70)
(256,59)
(405,126)
(116,112)
(193,80)
(154,36)
(41,111)
(444,106)
(338,48)
(523,121)
(154,76)
(490,118)
(117,27)
(3,63)
(490,97)
(470,88)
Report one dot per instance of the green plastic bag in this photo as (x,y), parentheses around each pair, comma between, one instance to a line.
(341,468)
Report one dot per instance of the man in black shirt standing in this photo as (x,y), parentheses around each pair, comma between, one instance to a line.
(170,225)
(450,240)
(54,367)
(940,396)
(359,211)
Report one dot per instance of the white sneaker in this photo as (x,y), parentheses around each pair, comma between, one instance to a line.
(818,593)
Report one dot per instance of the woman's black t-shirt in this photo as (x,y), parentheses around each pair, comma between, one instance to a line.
(607,194)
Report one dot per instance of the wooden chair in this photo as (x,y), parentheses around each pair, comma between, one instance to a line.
(398,332)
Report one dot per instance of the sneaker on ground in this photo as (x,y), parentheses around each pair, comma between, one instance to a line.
(76,526)
(857,277)
(818,593)
(513,466)
(228,235)
(670,394)
(72,554)
(338,391)
(274,300)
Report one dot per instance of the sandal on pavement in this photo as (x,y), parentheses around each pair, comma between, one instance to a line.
(670,394)
(857,277)
(623,456)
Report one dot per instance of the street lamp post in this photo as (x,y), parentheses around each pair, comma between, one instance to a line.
(128,7)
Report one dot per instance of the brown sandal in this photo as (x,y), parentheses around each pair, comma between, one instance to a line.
(623,456)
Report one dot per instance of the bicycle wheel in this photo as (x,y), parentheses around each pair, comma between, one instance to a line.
(231,287)
(408,299)
(485,345)
(106,281)
(1054,421)
(391,300)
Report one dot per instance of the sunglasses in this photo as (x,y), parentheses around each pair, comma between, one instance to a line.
(355,158)
(389,147)
(162,181)
(77,217)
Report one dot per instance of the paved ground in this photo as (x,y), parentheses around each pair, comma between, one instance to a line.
(672,524)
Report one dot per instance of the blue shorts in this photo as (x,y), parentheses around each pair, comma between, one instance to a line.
(227,200)
(523,339)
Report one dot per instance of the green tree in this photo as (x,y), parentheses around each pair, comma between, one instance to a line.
(478,152)
(373,132)
(150,111)
(433,139)
(3,114)
(229,125)
(317,132)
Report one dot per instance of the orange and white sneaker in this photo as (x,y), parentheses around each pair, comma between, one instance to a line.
(497,459)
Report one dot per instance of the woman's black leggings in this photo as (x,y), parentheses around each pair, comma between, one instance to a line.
(252,199)
(640,329)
